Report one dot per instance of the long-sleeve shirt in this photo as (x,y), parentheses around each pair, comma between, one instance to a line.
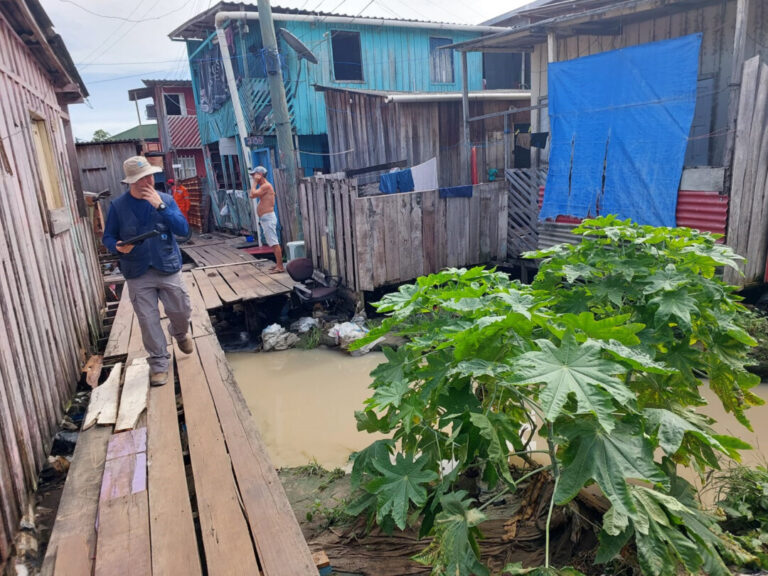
(129,217)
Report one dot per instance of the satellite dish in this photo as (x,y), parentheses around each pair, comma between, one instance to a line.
(299,46)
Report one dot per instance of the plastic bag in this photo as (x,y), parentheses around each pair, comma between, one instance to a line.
(275,337)
(347,333)
(303,325)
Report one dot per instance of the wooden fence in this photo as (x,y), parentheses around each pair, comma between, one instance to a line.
(379,240)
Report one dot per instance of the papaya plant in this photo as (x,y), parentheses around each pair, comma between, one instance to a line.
(604,356)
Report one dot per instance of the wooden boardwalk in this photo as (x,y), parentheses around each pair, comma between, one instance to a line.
(190,490)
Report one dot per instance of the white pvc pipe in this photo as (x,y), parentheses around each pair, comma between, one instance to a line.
(447,96)
(223,16)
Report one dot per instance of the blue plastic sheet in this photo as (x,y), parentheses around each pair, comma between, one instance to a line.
(620,122)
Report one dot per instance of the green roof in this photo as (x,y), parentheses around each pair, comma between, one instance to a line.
(142,132)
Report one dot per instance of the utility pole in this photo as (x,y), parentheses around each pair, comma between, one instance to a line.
(287,152)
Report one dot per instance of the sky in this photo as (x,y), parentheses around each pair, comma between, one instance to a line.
(113,52)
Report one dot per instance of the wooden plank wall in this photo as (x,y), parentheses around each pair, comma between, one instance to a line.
(375,132)
(50,285)
(101,167)
(717,24)
(378,240)
(748,220)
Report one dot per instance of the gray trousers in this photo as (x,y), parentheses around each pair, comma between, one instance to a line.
(144,292)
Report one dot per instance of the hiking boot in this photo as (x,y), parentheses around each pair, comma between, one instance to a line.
(158,378)
(185,344)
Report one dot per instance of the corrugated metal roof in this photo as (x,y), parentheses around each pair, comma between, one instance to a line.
(184,132)
(142,132)
(202,25)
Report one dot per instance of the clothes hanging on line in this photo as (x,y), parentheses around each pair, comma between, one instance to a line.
(456,192)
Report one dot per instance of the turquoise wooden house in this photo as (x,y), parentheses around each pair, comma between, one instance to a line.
(357,53)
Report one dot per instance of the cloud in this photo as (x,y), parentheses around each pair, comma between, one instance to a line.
(114,56)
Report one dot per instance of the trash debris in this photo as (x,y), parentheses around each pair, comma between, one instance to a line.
(303,325)
(346,333)
(64,443)
(275,337)
(368,347)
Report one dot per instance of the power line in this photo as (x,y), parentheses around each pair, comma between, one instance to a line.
(127,19)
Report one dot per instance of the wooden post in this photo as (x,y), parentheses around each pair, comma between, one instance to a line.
(739,48)
(551,47)
(465,149)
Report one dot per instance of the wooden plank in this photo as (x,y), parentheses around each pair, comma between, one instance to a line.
(207,291)
(428,232)
(276,533)
(475,223)
(492,219)
(237,284)
(485,230)
(503,215)
(73,557)
(127,443)
(406,233)
(338,231)
(225,535)
(102,408)
(391,248)
(201,322)
(172,529)
(417,241)
(79,500)
(124,475)
(378,221)
(349,236)
(225,292)
(124,545)
(120,334)
(134,397)
(364,245)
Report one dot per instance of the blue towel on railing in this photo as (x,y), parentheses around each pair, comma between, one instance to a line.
(456,192)
(398,181)
(388,183)
(405,180)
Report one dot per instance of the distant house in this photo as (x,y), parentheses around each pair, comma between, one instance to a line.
(723,151)
(353,53)
(51,292)
(173,106)
(147,134)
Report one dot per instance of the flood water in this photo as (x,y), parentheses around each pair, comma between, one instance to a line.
(304,402)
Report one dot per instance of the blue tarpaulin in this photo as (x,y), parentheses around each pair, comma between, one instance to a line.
(620,122)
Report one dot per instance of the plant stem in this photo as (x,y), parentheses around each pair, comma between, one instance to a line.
(507,488)
(556,474)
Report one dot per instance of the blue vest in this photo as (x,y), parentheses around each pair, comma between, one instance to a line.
(161,252)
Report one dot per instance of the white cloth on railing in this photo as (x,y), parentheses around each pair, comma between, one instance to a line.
(425,176)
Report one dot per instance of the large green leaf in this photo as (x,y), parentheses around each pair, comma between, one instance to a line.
(678,304)
(607,458)
(612,328)
(454,549)
(400,485)
(577,369)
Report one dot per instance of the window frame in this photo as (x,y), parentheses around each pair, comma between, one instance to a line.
(433,62)
(333,57)
(51,198)
(182,103)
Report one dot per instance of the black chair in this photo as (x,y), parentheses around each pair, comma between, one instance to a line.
(312,289)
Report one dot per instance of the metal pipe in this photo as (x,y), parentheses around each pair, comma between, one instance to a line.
(448,96)
(465,117)
(222,16)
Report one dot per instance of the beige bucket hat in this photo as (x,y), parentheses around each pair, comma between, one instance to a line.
(136,167)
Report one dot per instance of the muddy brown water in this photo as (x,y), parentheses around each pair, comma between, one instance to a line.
(304,403)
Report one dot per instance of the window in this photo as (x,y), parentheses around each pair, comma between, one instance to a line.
(440,61)
(347,56)
(187,167)
(174,105)
(46,164)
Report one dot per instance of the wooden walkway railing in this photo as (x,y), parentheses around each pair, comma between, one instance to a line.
(129,506)
(378,240)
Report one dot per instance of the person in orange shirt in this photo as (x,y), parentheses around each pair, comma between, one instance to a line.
(181,197)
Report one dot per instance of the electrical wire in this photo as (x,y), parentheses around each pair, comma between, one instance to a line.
(136,21)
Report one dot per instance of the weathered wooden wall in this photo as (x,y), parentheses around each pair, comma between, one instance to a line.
(378,240)
(50,285)
(101,167)
(376,132)
(717,24)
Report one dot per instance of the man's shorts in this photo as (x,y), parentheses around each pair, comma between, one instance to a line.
(269,225)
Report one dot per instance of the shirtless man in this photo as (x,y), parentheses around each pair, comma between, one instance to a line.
(262,189)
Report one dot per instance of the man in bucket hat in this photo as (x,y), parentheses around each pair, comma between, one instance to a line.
(152,267)
(262,189)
